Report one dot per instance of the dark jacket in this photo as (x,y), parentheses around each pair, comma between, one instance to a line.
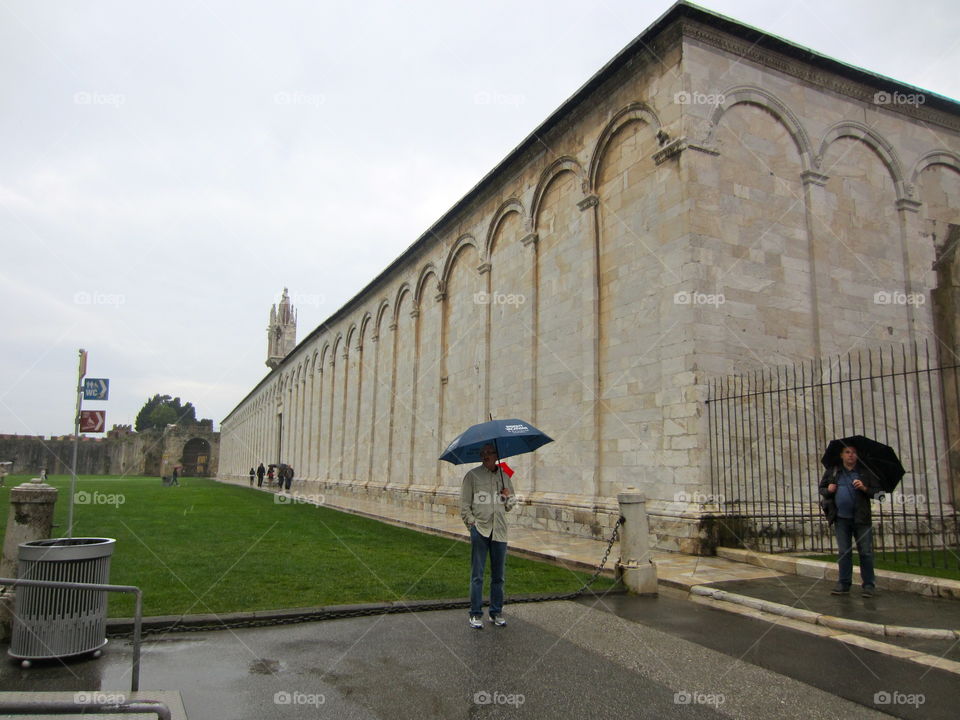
(862,514)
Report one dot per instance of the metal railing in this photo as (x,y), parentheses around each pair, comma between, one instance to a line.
(98,587)
(52,707)
(769,429)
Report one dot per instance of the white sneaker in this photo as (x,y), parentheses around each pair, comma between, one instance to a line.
(476,622)
(498,620)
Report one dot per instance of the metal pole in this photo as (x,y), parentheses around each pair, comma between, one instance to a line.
(51,707)
(81,371)
(137,623)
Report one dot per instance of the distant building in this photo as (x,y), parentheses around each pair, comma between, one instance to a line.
(195,448)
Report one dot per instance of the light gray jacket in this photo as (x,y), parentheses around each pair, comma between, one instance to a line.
(481,504)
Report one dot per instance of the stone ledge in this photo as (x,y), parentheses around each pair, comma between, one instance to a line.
(836,623)
(877,646)
(674,527)
(854,626)
(782,621)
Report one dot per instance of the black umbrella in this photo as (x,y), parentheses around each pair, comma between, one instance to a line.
(880,459)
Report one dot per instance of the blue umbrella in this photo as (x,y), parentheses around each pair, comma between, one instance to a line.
(509,437)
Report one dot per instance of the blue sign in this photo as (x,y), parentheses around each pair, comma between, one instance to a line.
(96,388)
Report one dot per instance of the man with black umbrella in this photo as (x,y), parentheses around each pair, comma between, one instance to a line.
(485,496)
(847,489)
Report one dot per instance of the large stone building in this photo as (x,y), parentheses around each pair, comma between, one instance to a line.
(713,200)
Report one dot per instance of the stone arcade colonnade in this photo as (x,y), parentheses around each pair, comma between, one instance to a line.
(637,244)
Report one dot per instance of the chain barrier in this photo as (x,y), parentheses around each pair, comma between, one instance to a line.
(318,615)
(606,554)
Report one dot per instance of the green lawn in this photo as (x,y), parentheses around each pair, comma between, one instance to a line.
(208,547)
(915,562)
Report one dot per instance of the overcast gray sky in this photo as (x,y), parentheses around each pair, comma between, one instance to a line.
(167,168)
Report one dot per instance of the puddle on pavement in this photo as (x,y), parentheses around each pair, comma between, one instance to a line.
(265,666)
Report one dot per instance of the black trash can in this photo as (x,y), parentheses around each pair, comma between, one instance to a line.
(59,622)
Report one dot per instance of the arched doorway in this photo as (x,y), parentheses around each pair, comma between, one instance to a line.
(196,458)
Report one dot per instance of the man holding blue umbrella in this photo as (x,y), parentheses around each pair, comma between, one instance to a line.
(485,497)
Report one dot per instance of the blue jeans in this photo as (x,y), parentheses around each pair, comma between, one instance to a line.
(847,532)
(480,547)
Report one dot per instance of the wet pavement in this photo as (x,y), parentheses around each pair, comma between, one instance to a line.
(621,656)
(849,672)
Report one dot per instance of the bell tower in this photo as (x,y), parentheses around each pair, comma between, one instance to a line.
(281,332)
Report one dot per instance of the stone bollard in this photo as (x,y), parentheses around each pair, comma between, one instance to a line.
(635,568)
(30,518)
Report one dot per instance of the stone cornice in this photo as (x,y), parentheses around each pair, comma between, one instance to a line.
(672,148)
(588,202)
(818,77)
(908,205)
(531,239)
(483,268)
(812,177)
(675,147)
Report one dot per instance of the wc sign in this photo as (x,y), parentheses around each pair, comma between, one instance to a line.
(96,388)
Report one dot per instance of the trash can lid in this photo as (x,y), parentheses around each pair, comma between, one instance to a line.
(58,549)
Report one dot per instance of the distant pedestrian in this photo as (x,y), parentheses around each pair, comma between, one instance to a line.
(43,474)
(261,471)
(173,478)
(485,497)
(847,489)
(288,477)
(270,476)
(253,474)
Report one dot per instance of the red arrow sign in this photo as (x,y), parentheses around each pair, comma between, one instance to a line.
(93,420)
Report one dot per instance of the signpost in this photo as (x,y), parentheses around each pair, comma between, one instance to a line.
(85,421)
(96,389)
(93,420)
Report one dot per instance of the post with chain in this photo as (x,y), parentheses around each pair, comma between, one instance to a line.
(636,568)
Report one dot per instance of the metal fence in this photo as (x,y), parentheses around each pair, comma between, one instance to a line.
(769,428)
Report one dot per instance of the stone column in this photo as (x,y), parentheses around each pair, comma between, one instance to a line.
(591,365)
(814,184)
(530,241)
(946,323)
(635,568)
(30,518)
(908,220)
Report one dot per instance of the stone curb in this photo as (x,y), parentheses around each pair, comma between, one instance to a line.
(886,579)
(837,623)
(847,638)
(210,621)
